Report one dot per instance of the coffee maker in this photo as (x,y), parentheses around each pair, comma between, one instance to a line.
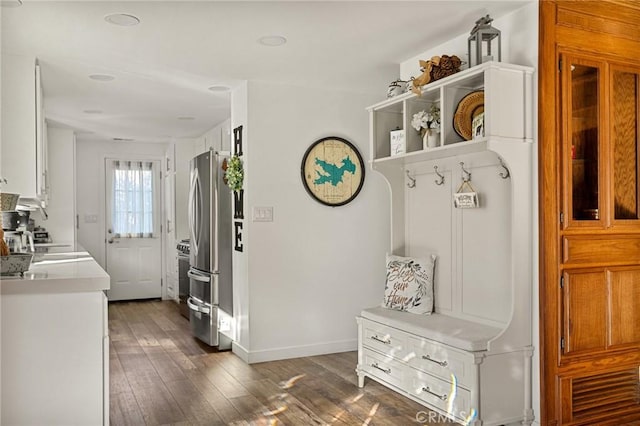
(16,235)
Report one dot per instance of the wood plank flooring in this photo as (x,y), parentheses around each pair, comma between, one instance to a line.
(161,375)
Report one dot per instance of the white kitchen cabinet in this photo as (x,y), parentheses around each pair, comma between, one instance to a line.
(24,141)
(55,343)
(471,359)
(217,138)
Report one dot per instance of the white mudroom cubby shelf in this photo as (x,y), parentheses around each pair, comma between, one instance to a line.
(506,107)
(471,359)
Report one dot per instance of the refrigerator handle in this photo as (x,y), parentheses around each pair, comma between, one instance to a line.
(194,207)
(190,207)
(198,277)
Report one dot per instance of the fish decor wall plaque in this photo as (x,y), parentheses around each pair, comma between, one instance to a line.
(332,171)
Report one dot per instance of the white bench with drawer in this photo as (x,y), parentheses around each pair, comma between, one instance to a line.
(444,363)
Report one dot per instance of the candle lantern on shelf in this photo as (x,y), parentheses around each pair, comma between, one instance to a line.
(483,33)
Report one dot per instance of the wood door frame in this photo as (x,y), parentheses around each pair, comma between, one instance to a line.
(604,28)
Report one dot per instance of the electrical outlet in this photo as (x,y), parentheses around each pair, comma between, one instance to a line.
(262,214)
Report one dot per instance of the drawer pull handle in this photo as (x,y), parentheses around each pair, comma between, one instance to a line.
(375,365)
(440,363)
(377,339)
(430,392)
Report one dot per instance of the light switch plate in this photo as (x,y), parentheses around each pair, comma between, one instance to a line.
(262,214)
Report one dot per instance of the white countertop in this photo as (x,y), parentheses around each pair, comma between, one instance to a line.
(61,270)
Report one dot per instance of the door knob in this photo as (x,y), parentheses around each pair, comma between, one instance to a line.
(112,240)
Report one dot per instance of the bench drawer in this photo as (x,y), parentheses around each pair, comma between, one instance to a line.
(445,362)
(436,393)
(383,367)
(384,339)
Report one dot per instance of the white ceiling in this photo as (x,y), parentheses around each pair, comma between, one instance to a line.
(164,65)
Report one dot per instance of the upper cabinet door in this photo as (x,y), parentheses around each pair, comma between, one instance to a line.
(624,145)
(584,142)
(600,112)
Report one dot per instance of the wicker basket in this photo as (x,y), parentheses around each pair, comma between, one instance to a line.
(446,66)
(15,264)
(8,201)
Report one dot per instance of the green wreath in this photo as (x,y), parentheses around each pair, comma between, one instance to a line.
(234,173)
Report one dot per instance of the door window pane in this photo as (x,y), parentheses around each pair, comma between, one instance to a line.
(133,199)
(624,135)
(584,142)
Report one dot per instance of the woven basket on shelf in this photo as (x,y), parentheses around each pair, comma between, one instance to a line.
(8,201)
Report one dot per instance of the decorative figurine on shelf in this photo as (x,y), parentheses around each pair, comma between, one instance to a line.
(482,33)
(428,124)
(434,69)
(396,88)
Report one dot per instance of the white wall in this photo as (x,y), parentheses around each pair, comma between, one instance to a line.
(519,46)
(61,206)
(241,307)
(90,186)
(314,268)
(519,42)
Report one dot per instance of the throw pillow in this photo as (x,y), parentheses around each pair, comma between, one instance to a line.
(409,285)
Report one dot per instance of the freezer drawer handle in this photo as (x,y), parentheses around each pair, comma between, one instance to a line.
(198,277)
(430,392)
(440,363)
(197,308)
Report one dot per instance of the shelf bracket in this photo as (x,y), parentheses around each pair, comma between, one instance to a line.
(506,174)
(412,180)
(440,180)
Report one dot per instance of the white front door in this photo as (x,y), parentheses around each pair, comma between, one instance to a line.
(133,216)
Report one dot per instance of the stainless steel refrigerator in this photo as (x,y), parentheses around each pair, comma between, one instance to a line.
(210,278)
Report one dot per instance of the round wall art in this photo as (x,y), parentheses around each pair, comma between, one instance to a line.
(332,171)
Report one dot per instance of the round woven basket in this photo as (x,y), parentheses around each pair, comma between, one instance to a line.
(468,107)
(8,201)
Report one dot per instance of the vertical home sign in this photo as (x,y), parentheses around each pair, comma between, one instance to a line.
(238,196)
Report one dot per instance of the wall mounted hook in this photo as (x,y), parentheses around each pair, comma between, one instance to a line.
(412,180)
(440,180)
(466,174)
(506,174)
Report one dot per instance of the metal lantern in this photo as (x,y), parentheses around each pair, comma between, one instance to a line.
(483,33)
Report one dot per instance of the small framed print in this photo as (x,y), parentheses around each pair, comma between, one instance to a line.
(466,197)
(477,126)
(398,142)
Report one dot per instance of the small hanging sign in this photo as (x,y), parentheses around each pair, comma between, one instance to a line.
(466,197)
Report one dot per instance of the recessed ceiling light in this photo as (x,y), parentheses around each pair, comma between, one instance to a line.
(92,111)
(102,77)
(272,40)
(186,118)
(123,19)
(10,3)
(219,88)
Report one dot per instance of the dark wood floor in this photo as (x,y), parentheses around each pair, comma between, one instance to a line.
(160,375)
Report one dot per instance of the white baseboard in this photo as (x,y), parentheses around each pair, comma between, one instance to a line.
(240,351)
(275,354)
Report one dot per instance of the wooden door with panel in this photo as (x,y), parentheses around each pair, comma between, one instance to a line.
(589,114)
(591,289)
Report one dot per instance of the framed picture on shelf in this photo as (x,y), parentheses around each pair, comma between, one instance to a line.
(398,142)
(477,126)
